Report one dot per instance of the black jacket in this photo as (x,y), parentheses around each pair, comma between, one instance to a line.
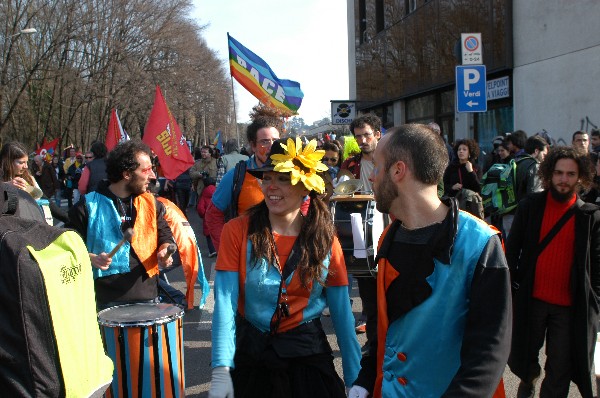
(520,252)
(457,173)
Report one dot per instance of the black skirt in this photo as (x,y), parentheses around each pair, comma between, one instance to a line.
(271,376)
(294,364)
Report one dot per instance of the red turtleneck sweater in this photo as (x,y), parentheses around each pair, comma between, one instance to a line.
(553,269)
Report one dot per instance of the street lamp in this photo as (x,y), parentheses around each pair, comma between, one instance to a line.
(4,72)
(26,31)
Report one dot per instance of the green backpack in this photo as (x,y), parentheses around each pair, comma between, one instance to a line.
(499,188)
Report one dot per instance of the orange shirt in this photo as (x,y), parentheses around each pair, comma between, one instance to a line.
(232,257)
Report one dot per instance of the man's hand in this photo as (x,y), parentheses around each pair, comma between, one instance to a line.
(357,392)
(164,260)
(100,261)
(221,385)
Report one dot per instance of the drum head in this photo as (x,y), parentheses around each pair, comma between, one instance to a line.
(139,314)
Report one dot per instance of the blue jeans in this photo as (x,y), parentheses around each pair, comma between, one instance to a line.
(58,197)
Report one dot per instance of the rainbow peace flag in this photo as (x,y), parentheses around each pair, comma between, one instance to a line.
(257,77)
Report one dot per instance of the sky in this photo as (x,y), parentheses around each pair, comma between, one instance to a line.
(304,41)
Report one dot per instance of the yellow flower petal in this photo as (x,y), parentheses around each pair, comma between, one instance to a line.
(280,157)
(310,147)
(291,148)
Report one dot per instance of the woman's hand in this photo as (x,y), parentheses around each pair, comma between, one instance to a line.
(19,182)
(469,166)
(457,186)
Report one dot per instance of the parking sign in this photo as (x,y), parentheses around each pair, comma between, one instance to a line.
(471,95)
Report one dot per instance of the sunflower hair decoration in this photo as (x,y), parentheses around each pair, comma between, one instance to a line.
(302,164)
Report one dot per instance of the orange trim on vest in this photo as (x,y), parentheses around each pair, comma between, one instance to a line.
(186,245)
(385,276)
(146,227)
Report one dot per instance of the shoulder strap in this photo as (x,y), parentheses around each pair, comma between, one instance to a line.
(12,199)
(555,229)
(236,188)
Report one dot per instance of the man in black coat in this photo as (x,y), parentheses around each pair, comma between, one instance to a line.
(556,282)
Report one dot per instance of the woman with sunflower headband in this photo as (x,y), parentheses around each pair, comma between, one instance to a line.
(279,271)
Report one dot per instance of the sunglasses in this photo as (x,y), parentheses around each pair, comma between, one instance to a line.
(330,159)
(89,157)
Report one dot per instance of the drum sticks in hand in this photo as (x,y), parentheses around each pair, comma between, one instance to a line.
(127,235)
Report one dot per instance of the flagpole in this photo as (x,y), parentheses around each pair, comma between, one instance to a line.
(237,134)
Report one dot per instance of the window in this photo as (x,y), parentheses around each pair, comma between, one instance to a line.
(362,21)
(410,6)
(379,16)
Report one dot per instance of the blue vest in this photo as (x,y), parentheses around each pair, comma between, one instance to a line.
(104,232)
(429,337)
(262,289)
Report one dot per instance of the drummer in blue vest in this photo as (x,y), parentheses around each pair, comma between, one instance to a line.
(102,216)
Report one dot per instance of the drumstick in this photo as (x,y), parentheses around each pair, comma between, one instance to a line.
(170,250)
(127,235)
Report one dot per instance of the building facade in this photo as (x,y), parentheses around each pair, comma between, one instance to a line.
(403,54)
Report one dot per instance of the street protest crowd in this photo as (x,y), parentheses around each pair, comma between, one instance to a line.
(465,262)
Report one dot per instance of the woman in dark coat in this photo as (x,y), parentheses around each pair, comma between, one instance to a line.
(462,174)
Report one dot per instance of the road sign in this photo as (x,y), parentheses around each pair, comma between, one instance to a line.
(472,52)
(471,93)
(342,112)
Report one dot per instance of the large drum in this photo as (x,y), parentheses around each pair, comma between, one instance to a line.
(359,263)
(145,342)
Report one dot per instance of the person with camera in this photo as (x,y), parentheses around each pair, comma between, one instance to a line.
(281,268)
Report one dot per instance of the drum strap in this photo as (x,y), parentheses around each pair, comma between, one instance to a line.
(387,241)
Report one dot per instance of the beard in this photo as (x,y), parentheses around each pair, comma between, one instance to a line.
(562,197)
(385,193)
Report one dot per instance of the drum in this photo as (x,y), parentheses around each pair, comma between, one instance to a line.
(342,208)
(145,342)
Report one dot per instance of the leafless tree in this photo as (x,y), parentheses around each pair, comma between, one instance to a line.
(89,56)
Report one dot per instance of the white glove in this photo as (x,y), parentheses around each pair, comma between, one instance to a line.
(221,385)
(358,392)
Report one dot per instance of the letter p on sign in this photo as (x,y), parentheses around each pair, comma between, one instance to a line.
(471,76)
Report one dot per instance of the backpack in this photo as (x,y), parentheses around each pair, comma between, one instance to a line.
(470,201)
(239,174)
(50,341)
(499,188)
(19,203)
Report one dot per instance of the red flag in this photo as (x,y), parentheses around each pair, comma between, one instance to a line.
(46,150)
(115,132)
(163,135)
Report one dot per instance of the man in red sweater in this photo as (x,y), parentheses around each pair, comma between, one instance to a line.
(553,252)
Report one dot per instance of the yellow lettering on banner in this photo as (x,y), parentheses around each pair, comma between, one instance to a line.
(164,139)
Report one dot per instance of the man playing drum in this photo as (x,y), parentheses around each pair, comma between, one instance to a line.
(123,202)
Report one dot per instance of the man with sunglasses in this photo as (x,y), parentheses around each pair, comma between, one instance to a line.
(239,190)
(101,217)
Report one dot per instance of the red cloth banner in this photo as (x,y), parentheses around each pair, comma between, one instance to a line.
(163,136)
(46,150)
(115,133)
